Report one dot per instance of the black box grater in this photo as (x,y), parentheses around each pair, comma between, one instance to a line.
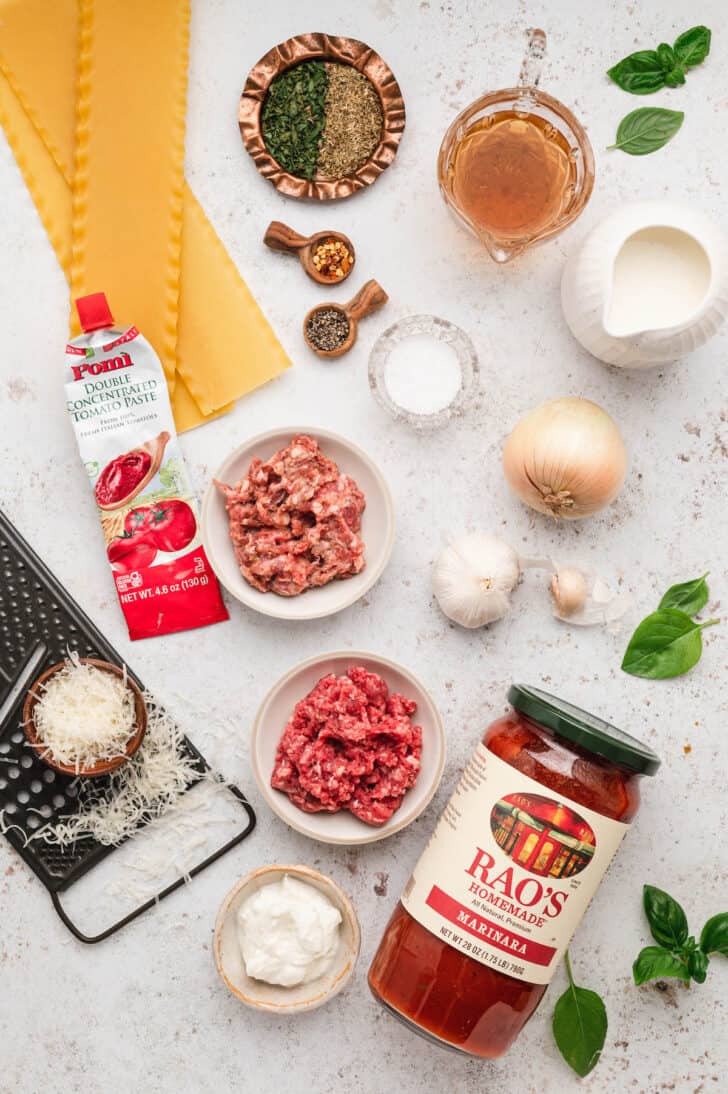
(40,621)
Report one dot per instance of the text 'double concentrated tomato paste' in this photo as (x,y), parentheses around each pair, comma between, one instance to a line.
(117,399)
(509,871)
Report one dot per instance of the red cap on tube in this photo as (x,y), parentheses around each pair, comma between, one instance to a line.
(93,312)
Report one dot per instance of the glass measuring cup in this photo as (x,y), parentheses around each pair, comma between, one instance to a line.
(515,166)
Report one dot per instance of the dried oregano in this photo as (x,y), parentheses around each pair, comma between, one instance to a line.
(353,122)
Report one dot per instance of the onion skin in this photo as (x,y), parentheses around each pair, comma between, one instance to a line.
(566,458)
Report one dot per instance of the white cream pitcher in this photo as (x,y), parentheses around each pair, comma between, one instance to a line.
(649,284)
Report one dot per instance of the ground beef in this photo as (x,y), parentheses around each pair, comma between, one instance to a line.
(295,521)
(350,745)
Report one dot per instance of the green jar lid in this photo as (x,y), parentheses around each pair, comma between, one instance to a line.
(583,729)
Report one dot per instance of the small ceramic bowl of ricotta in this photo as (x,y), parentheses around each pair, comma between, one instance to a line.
(338,965)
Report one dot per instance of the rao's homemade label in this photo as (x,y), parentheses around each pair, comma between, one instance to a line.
(510,869)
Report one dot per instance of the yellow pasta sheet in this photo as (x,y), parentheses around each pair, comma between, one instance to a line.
(224,346)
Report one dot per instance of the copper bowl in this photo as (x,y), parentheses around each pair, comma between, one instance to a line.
(309,47)
(103,767)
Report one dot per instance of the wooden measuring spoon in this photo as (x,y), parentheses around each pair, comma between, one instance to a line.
(370,297)
(279,237)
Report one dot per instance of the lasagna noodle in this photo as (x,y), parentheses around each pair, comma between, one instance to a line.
(38,60)
(52,196)
(129,163)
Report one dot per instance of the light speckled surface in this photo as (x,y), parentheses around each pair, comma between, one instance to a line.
(145,1010)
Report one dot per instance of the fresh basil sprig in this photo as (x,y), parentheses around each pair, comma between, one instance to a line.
(668,643)
(649,70)
(579,1025)
(647,129)
(677,953)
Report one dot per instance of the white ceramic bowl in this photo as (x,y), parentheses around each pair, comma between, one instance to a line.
(273,997)
(377,532)
(274,713)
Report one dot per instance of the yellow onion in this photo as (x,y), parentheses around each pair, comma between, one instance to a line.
(566,458)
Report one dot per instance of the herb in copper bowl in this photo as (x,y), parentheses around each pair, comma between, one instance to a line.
(321,120)
(294,115)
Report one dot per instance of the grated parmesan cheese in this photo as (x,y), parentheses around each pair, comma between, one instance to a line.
(84,715)
(148,785)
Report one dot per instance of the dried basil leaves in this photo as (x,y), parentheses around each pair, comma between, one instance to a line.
(294,115)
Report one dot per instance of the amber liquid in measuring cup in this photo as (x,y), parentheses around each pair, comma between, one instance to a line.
(513,174)
(516,166)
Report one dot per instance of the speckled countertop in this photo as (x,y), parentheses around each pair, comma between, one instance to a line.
(145,1011)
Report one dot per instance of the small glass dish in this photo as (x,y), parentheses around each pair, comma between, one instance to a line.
(464,358)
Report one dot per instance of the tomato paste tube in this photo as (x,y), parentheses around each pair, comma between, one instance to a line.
(508,873)
(117,399)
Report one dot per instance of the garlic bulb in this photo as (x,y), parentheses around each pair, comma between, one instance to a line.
(565,458)
(473,579)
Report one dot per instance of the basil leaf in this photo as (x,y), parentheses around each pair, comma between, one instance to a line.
(668,922)
(654,962)
(640,73)
(647,129)
(580,1028)
(689,597)
(675,77)
(171,475)
(693,46)
(714,935)
(698,965)
(666,57)
(666,644)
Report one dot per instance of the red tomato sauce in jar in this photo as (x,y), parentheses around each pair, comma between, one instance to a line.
(489,901)
(121,475)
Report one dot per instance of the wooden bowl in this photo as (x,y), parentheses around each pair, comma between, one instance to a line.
(273,997)
(370,297)
(323,47)
(103,767)
(279,237)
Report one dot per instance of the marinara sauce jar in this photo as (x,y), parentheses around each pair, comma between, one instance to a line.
(508,873)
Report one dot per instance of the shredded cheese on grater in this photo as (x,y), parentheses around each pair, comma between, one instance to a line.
(147,785)
(84,715)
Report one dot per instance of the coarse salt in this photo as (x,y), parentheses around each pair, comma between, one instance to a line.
(422,374)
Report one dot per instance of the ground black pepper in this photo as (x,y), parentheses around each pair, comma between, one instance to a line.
(327,329)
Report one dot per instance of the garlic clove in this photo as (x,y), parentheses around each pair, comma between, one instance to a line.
(569,590)
(584,599)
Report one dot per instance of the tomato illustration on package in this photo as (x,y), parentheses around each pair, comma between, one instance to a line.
(118,403)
